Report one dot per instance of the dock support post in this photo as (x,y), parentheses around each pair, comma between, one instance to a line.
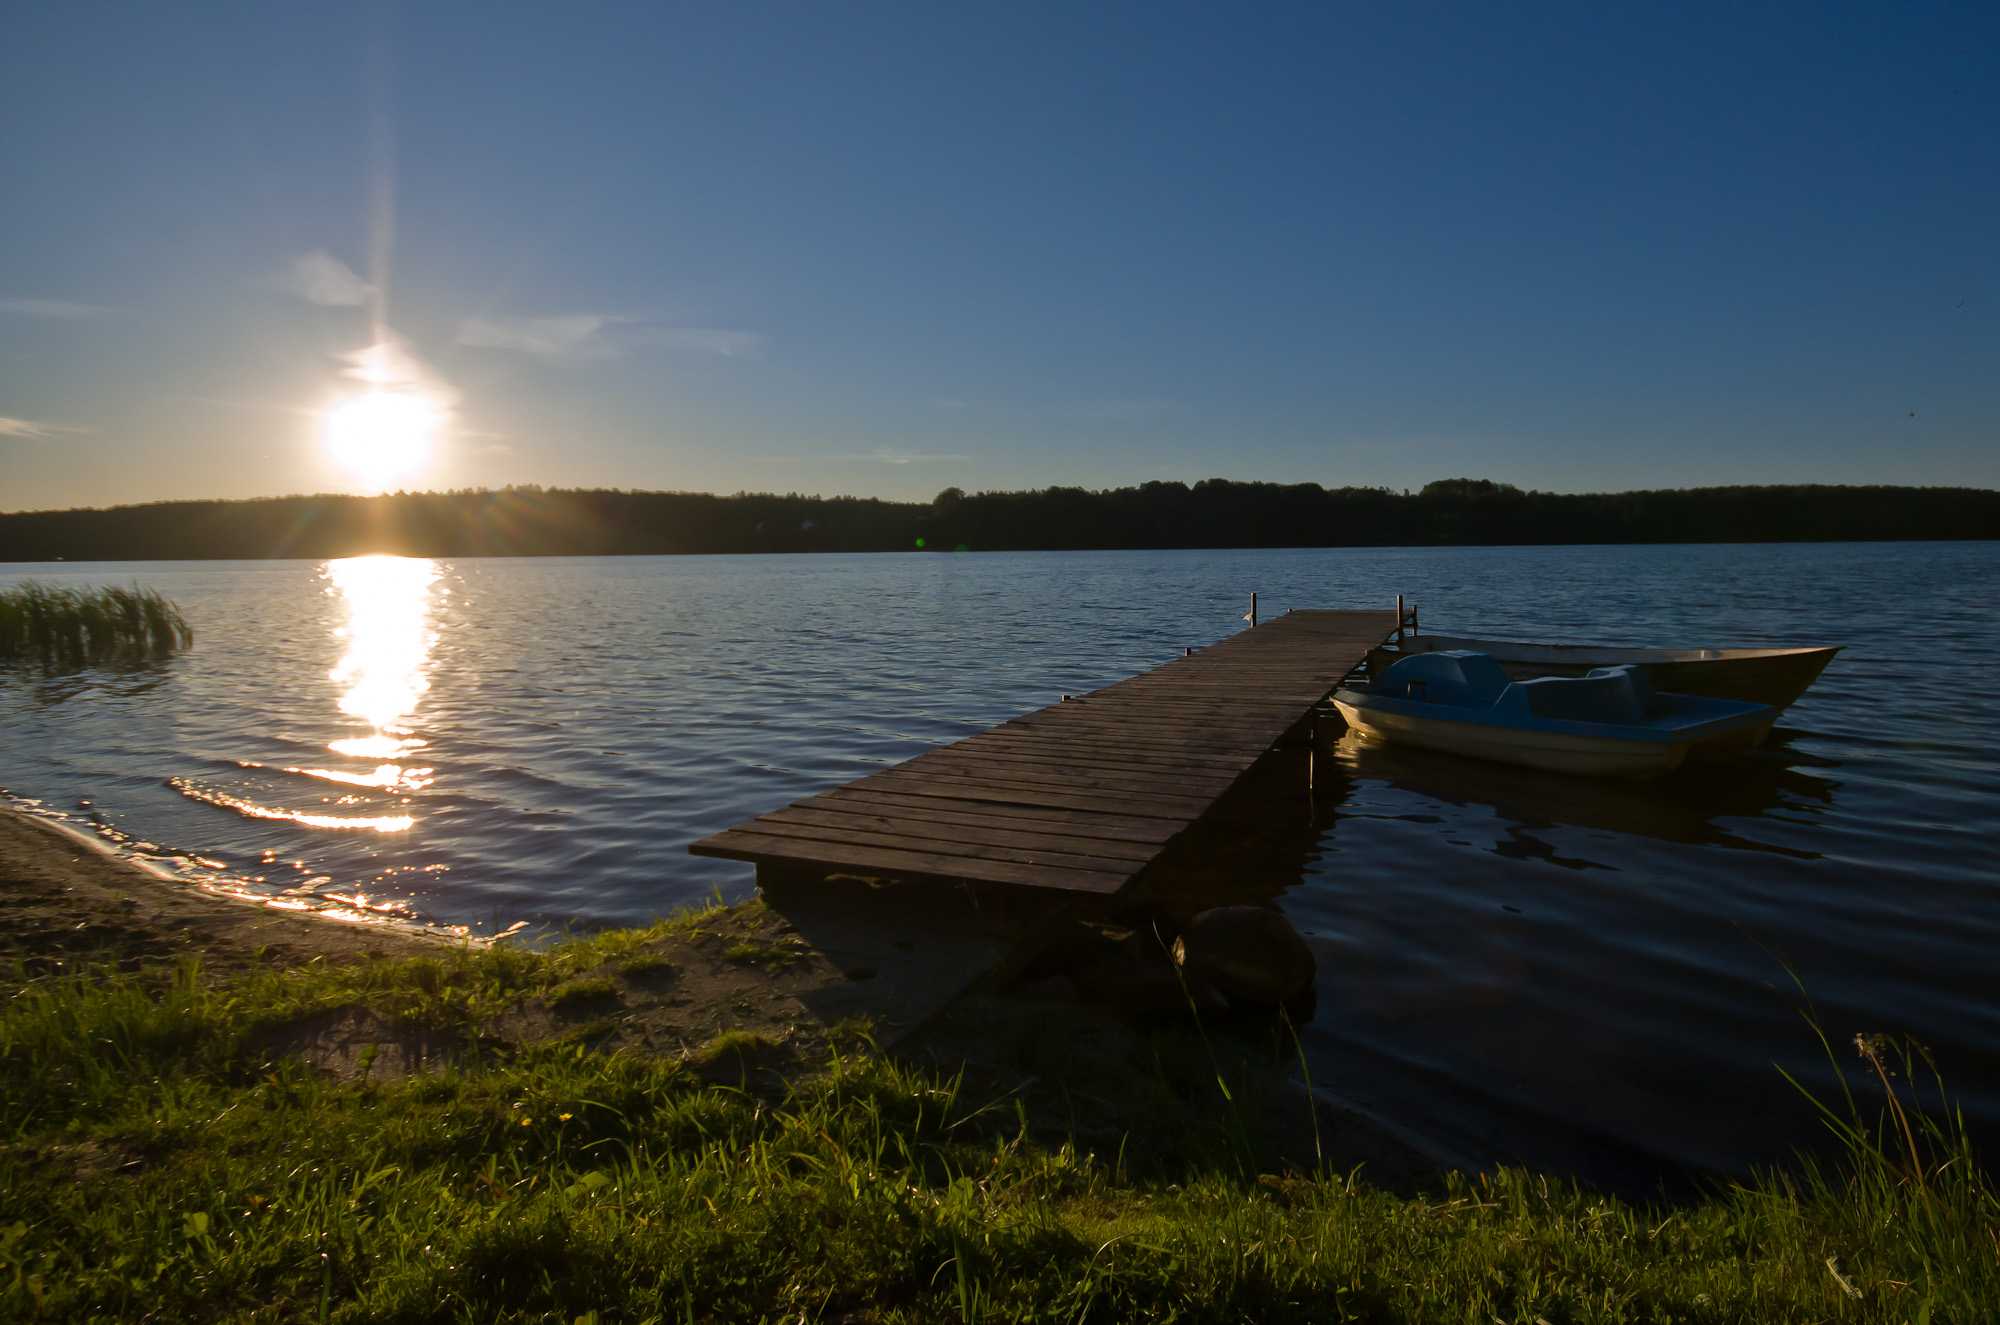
(1253,607)
(1399,621)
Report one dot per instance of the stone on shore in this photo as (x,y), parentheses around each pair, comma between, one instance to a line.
(1250,955)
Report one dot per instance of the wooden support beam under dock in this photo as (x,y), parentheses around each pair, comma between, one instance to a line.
(1082,795)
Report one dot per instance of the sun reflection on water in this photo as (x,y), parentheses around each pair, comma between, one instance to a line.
(386,669)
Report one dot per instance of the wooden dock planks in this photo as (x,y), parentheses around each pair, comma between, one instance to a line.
(1080,796)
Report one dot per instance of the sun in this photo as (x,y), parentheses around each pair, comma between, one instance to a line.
(382,437)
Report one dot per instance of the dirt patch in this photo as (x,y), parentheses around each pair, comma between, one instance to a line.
(733,994)
(355,1044)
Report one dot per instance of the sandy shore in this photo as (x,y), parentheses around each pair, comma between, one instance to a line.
(64,899)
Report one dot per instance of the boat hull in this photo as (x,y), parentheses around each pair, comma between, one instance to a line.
(1585,749)
(1757,676)
(1552,752)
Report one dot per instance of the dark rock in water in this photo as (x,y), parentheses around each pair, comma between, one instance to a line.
(1250,955)
(1129,971)
(1126,970)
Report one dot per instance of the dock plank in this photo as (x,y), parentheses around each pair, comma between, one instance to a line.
(984,835)
(905,864)
(1080,796)
(1112,827)
(780,824)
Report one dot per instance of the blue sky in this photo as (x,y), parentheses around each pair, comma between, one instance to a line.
(886,249)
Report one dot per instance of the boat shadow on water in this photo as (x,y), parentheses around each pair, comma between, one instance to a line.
(1715,804)
(1266,835)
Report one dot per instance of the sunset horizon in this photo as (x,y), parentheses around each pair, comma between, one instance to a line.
(887,663)
(881,256)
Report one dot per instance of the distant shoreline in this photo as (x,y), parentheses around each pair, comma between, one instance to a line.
(1213,515)
(897,552)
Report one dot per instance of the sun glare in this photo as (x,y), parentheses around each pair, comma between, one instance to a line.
(382,437)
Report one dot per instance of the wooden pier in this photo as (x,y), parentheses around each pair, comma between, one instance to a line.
(1080,796)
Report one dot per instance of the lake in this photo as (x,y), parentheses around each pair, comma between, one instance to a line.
(1591,977)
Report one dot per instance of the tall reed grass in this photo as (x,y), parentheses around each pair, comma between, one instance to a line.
(64,629)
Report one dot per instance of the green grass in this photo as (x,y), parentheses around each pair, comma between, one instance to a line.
(157,1163)
(772,956)
(733,1044)
(583,991)
(65,629)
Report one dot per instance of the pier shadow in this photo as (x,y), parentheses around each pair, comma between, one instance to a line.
(1058,997)
(907,948)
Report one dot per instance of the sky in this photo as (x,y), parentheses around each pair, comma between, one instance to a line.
(882,249)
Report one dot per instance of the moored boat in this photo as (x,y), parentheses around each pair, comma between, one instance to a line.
(1608,723)
(1774,676)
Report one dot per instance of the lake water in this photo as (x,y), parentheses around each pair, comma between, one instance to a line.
(1573,974)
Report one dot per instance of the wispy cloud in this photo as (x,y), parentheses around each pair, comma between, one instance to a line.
(883,455)
(389,365)
(62,308)
(600,336)
(1127,409)
(728,344)
(320,278)
(565,335)
(32,431)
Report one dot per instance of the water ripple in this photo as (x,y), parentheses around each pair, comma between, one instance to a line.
(1512,966)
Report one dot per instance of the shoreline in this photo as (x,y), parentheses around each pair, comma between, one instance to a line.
(19,566)
(923,975)
(69,899)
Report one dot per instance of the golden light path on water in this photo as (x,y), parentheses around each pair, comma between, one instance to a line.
(383,675)
(384,672)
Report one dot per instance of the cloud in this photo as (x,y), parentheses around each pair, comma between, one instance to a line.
(883,455)
(389,365)
(567,335)
(63,308)
(599,336)
(32,431)
(1126,409)
(320,278)
(728,344)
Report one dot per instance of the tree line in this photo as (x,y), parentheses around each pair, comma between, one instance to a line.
(1214,513)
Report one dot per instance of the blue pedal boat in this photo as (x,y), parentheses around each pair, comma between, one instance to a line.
(1609,723)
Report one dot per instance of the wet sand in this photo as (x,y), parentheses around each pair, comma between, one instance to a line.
(65,901)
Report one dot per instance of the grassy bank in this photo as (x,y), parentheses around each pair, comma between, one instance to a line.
(70,628)
(170,1155)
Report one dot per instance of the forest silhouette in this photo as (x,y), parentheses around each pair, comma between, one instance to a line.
(1214,513)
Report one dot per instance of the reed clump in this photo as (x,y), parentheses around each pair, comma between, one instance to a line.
(63,629)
